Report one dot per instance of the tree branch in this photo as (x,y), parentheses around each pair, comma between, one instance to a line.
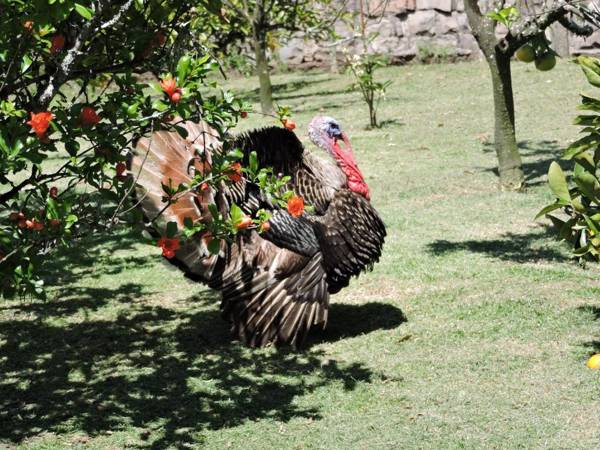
(529,29)
(66,67)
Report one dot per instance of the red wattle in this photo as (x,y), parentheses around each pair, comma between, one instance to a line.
(346,161)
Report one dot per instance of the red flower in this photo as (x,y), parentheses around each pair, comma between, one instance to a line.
(37,225)
(288,124)
(234,173)
(169,85)
(16,216)
(22,223)
(40,122)
(204,186)
(121,168)
(168,245)
(88,116)
(53,192)
(244,223)
(58,42)
(54,222)
(176,97)
(295,206)
(243,114)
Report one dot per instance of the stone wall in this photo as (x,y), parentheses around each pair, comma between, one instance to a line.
(422,30)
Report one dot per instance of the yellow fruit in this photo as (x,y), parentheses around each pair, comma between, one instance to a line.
(526,53)
(544,62)
(594,361)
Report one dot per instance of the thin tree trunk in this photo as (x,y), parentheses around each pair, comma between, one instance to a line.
(262,71)
(509,159)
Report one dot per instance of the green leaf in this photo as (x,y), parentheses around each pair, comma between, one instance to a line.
(549,208)
(253,162)
(585,143)
(171,229)
(589,103)
(589,186)
(586,162)
(214,246)
(51,209)
(236,214)
(587,121)
(188,222)
(582,250)
(70,221)
(591,69)
(84,12)
(558,183)
(183,68)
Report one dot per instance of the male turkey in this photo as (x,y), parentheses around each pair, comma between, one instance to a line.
(275,285)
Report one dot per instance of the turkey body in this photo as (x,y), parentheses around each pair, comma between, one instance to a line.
(275,285)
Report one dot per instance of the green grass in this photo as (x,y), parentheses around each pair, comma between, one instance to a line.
(472,332)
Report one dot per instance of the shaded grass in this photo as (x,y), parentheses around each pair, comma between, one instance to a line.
(472,332)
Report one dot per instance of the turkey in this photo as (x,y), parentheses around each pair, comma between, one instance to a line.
(275,285)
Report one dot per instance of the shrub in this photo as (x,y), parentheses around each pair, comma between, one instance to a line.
(578,196)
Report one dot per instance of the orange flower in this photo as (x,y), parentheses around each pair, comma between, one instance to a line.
(169,85)
(244,223)
(88,116)
(28,25)
(168,245)
(265,226)
(40,122)
(204,186)
(288,124)
(58,42)
(234,173)
(295,206)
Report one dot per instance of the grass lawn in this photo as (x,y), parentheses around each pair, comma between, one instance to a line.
(472,332)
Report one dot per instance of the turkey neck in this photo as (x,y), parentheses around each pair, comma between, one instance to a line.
(347,163)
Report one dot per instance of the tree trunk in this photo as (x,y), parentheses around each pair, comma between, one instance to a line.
(505,143)
(262,71)
(509,159)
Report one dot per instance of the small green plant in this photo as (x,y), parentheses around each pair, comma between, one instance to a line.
(579,197)
(430,53)
(363,66)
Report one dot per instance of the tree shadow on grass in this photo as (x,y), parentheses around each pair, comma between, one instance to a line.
(594,345)
(537,157)
(519,248)
(97,360)
(286,90)
(170,373)
(347,321)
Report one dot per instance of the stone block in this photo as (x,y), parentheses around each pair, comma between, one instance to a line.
(420,22)
(440,5)
(398,7)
